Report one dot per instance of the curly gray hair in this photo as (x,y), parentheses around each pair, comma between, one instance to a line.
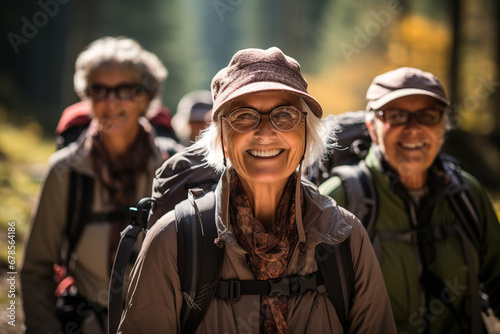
(108,51)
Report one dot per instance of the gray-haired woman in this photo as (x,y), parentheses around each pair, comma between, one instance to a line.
(265,129)
(88,187)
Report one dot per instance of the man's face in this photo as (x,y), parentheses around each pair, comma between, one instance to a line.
(409,148)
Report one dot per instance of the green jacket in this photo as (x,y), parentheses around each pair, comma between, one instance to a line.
(430,311)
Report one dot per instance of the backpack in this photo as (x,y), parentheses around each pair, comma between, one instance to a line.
(200,262)
(76,118)
(353,141)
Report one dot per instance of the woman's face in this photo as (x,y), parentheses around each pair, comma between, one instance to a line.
(410,148)
(264,155)
(117,110)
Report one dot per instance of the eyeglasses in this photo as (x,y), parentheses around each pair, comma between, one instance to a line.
(283,118)
(395,116)
(126,91)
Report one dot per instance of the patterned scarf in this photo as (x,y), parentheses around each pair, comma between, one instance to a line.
(268,251)
(120,178)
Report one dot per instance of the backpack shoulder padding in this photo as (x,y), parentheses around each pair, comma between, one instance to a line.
(79,205)
(361,197)
(199,259)
(336,268)
(463,203)
(183,171)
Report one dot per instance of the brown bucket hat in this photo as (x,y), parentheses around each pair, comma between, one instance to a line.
(401,82)
(257,70)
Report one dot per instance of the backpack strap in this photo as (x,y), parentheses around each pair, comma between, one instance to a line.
(335,272)
(139,219)
(361,197)
(464,204)
(469,228)
(81,189)
(199,259)
(336,267)
(233,289)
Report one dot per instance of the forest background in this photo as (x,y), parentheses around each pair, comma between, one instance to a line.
(340,44)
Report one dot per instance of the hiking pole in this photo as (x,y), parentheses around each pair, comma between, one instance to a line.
(139,216)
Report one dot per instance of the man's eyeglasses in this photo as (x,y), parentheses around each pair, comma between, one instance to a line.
(126,91)
(426,116)
(283,118)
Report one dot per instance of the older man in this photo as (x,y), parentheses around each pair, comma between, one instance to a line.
(433,226)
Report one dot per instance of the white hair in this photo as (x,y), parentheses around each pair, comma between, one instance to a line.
(109,51)
(321,139)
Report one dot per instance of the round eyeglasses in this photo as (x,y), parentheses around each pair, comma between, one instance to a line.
(396,116)
(283,118)
(126,91)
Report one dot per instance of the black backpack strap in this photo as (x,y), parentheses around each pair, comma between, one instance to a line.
(335,272)
(361,197)
(80,196)
(336,268)
(199,259)
(139,219)
(233,289)
(464,204)
(469,228)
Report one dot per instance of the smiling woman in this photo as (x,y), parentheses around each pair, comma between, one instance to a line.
(88,188)
(265,128)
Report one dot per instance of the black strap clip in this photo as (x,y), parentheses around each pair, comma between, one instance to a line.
(280,286)
(290,286)
(229,289)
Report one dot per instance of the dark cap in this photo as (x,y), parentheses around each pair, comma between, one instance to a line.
(401,82)
(256,70)
(194,105)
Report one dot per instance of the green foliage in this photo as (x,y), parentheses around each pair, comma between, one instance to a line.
(22,156)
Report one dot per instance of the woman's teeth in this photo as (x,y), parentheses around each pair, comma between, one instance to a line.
(265,154)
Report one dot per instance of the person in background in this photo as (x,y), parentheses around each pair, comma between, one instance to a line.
(192,116)
(88,187)
(265,129)
(433,259)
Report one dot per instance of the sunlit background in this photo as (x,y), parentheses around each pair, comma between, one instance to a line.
(341,45)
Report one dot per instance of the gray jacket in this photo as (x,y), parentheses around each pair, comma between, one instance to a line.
(47,231)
